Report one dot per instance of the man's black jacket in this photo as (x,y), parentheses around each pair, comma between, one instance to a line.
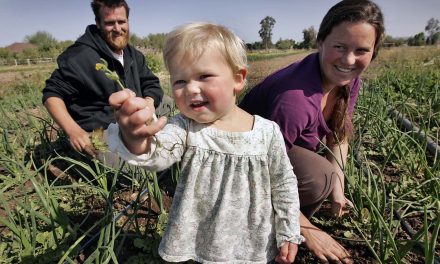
(85,90)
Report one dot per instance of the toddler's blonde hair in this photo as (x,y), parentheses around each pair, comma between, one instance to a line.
(193,39)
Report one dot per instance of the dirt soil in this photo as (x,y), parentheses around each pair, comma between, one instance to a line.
(10,75)
(258,70)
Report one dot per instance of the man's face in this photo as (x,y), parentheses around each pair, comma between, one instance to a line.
(114,28)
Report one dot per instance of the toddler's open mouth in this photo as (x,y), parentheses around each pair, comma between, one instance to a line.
(198,104)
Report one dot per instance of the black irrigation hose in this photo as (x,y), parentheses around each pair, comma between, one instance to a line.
(432,147)
(410,231)
(405,225)
(406,125)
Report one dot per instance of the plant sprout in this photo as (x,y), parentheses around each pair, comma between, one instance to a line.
(110,74)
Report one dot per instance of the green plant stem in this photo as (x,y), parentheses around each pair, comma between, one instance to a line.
(120,84)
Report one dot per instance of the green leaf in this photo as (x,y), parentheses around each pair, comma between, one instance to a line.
(365,215)
(42,238)
(348,234)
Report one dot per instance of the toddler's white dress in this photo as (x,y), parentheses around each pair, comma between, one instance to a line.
(236,200)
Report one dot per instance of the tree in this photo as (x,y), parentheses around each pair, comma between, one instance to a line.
(436,38)
(135,40)
(29,53)
(284,44)
(432,27)
(417,40)
(254,46)
(44,40)
(155,41)
(62,45)
(390,41)
(265,32)
(5,53)
(309,36)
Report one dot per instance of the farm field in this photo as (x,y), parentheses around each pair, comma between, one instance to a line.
(57,208)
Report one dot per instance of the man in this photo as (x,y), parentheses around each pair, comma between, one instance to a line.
(76,95)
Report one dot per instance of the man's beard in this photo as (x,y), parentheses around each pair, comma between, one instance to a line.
(116,44)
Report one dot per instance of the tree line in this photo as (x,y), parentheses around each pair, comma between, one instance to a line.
(45,45)
(432,37)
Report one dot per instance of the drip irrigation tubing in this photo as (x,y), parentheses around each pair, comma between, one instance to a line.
(404,223)
(431,146)
(407,126)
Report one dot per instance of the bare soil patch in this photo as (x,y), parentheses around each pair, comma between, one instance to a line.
(259,70)
(14,74)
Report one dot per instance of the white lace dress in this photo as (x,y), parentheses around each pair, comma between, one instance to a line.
(236,200)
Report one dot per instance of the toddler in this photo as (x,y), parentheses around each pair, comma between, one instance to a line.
(236,200)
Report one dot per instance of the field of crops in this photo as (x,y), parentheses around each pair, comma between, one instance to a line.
(57,208)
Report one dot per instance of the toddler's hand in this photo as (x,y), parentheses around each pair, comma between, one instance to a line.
(133,114)
(287,253)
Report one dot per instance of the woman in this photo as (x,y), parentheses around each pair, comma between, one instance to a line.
(313,100)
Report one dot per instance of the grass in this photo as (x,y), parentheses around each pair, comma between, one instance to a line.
(47,220)
(271,54)
(396,173)
(25,68)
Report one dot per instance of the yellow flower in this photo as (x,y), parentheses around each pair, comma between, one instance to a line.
(99,66)
(112,75)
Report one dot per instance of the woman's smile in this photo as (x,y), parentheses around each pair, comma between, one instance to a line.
(345,69)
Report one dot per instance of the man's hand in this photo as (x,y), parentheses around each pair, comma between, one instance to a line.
(134,115)
(78,137)
(80,141)
(287,253)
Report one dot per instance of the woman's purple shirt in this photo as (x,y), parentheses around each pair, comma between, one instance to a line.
(292,98)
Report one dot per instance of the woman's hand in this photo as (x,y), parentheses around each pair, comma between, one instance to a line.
(338,158)
(134,115)
(340,205)
(287,253)
(323,246)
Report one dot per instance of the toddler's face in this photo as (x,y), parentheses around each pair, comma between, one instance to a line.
(204,88)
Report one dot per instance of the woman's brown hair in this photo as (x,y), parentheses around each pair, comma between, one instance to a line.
(353,11)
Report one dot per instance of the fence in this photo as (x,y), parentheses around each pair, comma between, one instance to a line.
(16,62)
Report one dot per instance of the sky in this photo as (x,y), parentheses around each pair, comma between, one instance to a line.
(67,19)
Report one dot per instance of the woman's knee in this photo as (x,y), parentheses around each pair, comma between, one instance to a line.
(315,174)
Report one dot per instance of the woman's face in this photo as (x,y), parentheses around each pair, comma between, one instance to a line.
(346,53)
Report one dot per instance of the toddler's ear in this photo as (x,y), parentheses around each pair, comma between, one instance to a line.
(242,73)
(240,79)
